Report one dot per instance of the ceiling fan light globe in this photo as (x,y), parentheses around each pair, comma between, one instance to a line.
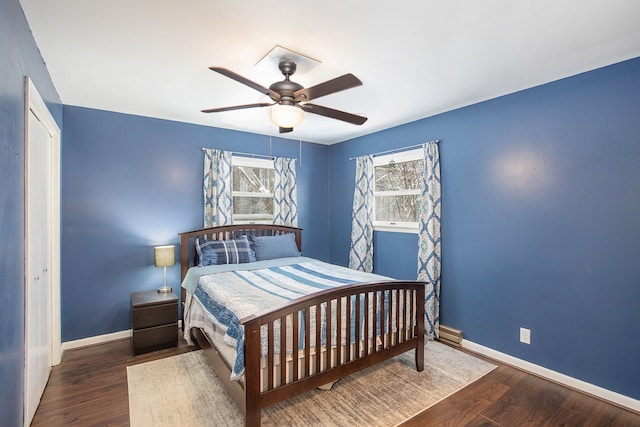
(286,116)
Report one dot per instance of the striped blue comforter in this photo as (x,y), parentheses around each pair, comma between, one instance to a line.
(230,295)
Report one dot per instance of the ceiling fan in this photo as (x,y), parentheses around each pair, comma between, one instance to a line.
(291,100)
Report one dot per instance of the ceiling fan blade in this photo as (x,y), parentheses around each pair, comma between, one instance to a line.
(330,86)
(334,114)
(253,85)
(285,130)
(236,107)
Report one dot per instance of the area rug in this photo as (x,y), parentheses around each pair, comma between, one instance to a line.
(183,390)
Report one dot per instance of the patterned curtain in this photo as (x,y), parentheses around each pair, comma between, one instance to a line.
(285,192)
(361,252)
(429,249)
(217,188)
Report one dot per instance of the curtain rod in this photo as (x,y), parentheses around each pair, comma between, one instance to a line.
(266,156)
(240,153)
(396,150)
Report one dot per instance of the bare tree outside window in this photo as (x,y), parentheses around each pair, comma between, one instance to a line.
(397,190)
(253,179)
(252,192)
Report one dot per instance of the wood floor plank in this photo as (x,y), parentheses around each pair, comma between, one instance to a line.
(477,421)
(89,388)
(510,397)
(532,401)
(464,406)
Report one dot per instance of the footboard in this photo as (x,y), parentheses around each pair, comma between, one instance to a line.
(338,332)
(314,340)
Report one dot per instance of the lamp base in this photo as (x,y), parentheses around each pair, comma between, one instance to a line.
(165,290)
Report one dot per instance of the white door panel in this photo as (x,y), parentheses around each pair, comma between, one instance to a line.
(42,249)
(38,297)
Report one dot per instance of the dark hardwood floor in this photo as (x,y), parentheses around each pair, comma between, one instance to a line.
(510,397)
(89,388)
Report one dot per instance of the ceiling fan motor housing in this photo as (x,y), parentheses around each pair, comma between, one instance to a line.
(287,67)
(286,87)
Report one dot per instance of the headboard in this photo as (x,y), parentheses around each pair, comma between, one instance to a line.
(188,255)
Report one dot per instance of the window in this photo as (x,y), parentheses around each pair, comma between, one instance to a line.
(252,190)
(396,191)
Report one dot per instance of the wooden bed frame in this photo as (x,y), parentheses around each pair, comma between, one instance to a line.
(339,361)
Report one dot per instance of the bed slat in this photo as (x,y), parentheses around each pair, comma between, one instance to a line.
(348,330)
(329,333)
(357,330)
(296,345)
(318,329)
(307,340)
(338,331)
(283,350)
(377,323)
(270,365)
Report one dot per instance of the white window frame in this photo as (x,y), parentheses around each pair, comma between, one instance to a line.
(395,226)
(253,163)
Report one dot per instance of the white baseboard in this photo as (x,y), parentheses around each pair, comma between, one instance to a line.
(100,339)
(574,383)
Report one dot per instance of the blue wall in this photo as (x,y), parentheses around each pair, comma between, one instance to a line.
(540,222)
(131,182)
(540,214)
(19,57)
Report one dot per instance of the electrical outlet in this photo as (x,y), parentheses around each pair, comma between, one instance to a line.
(525,335)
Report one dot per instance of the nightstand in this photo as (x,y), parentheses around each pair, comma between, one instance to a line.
(154,321)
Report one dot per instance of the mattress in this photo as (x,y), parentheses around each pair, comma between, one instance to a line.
(221,299)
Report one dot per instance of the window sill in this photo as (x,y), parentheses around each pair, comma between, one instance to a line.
(248,222)
(392,229)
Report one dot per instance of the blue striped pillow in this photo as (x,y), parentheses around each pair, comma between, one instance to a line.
(216,252)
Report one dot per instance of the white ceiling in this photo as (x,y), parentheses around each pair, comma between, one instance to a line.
(416,58)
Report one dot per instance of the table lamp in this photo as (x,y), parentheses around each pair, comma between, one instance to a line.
(164,257)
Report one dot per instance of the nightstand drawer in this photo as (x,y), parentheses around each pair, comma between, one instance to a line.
(156,315)
(159,337)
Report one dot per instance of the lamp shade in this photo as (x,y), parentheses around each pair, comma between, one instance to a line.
(164,255)
(286,116)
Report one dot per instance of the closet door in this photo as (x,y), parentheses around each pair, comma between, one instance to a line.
(38,357)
